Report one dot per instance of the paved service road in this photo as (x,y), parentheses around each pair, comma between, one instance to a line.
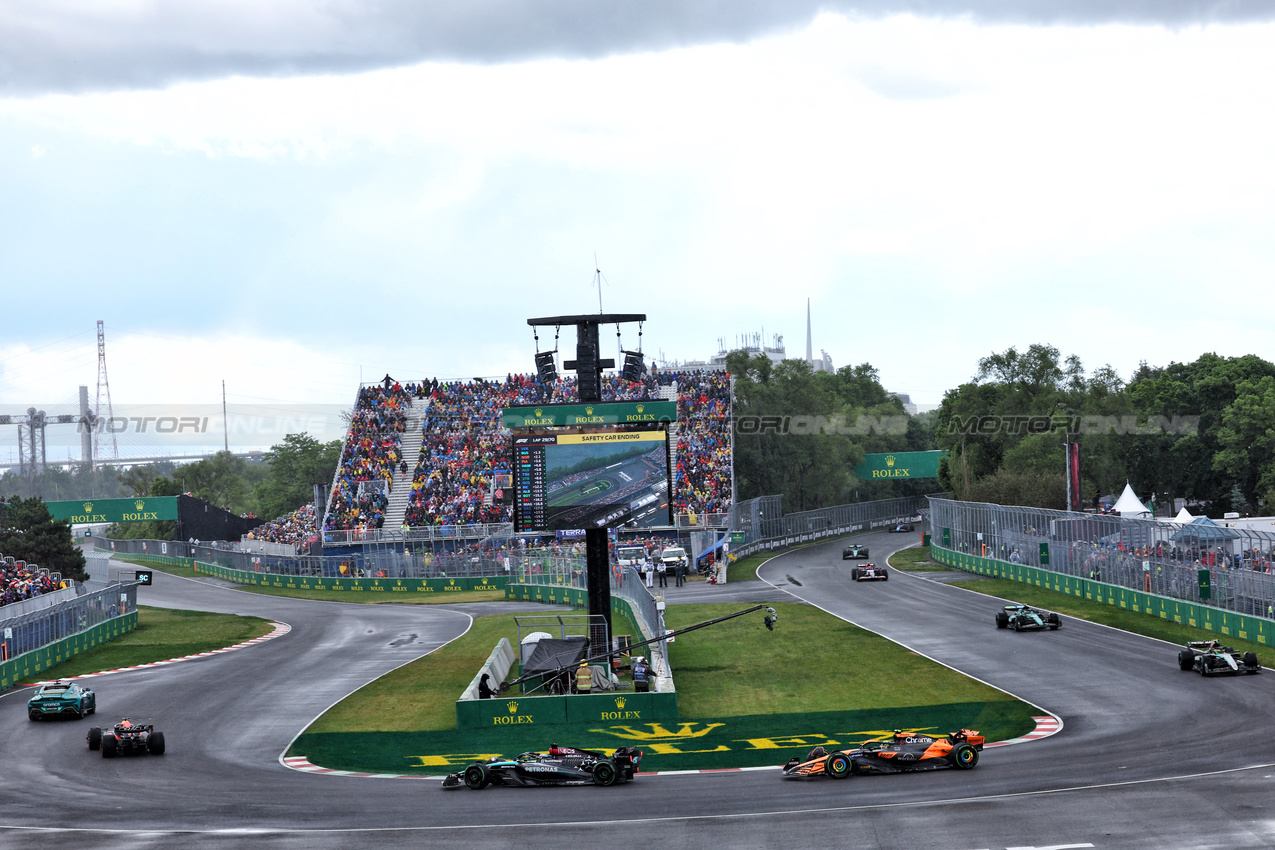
(1126,771)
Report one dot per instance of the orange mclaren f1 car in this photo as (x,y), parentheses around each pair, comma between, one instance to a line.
(902,752)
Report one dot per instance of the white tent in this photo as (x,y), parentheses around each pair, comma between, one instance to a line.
(1129,505)
(1183,517)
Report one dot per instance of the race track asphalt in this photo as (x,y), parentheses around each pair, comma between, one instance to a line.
(1149,757)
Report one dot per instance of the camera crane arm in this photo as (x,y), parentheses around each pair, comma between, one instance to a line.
(770,619)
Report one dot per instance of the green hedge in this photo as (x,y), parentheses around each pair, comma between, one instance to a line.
(1242,626)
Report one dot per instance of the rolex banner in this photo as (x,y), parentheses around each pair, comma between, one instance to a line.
(115,510)
(878,467)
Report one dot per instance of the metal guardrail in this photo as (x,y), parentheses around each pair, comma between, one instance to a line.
(767,527)
(32,630)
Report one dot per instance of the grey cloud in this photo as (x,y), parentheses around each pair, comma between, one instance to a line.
(68,46)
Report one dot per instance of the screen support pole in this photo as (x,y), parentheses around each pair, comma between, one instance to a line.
(589,366)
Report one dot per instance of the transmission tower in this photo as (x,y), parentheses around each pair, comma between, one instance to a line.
(103,384)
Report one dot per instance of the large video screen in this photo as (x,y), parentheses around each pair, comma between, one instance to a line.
(600,477)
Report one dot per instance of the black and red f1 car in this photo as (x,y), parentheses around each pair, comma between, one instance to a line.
(902,752)
(559,766)
(126,738)
(867,572)
(1209,657)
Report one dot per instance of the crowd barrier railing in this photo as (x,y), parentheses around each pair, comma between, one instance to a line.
(36,640)
(1216,567)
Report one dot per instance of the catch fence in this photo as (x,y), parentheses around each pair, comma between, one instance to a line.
(26,631)
(1222,566)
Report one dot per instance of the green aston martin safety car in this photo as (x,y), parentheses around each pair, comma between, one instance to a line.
(61,699)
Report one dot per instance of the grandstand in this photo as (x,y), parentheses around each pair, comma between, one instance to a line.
(427,454)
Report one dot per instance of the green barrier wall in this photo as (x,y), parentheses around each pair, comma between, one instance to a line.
(492,584)
(1255,629)
(29,664)
(522,710)
(617,706)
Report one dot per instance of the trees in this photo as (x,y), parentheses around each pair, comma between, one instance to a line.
(29,533)
(1005,430)
(295,466)
(801,433)
(1231,400)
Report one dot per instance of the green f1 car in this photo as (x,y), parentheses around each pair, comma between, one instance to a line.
(1024,618)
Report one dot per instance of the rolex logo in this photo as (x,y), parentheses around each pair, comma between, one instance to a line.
(889,460)
(619,702)
(589,410)
(512,706)
(539,413)
(139,504)
(641,407)
(88,507)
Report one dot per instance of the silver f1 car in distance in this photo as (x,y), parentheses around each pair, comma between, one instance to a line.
(1209,657)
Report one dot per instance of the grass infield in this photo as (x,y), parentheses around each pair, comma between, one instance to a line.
(161,634)
(746,697)
(917,560)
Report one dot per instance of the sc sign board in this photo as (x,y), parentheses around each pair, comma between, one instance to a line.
(143,576)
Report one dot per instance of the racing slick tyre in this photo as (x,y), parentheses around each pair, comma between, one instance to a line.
(1204,666)
(837,766)
(476,777)
(109,746)
(1054,621)
(885,575)
(854,573)
(1017,625)
(95,738)
(155,744)
(1250,660)
(964,757)
(604,773)
(1186,660)
(1002,620)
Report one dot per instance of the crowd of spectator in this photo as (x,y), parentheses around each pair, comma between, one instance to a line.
(19,581)
(296,528)
(703,441)
(465,447)
(372,452)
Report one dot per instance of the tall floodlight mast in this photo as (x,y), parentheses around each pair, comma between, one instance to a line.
(103,385)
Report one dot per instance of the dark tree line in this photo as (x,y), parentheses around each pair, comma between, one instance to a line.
(1201,431)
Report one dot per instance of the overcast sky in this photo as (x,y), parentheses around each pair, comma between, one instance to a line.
(292,196)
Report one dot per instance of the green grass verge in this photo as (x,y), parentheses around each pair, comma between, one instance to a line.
(739,668)
(1107,615)
(161,634)
(745,698)
(184,572)
(328,595)
(917,560)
